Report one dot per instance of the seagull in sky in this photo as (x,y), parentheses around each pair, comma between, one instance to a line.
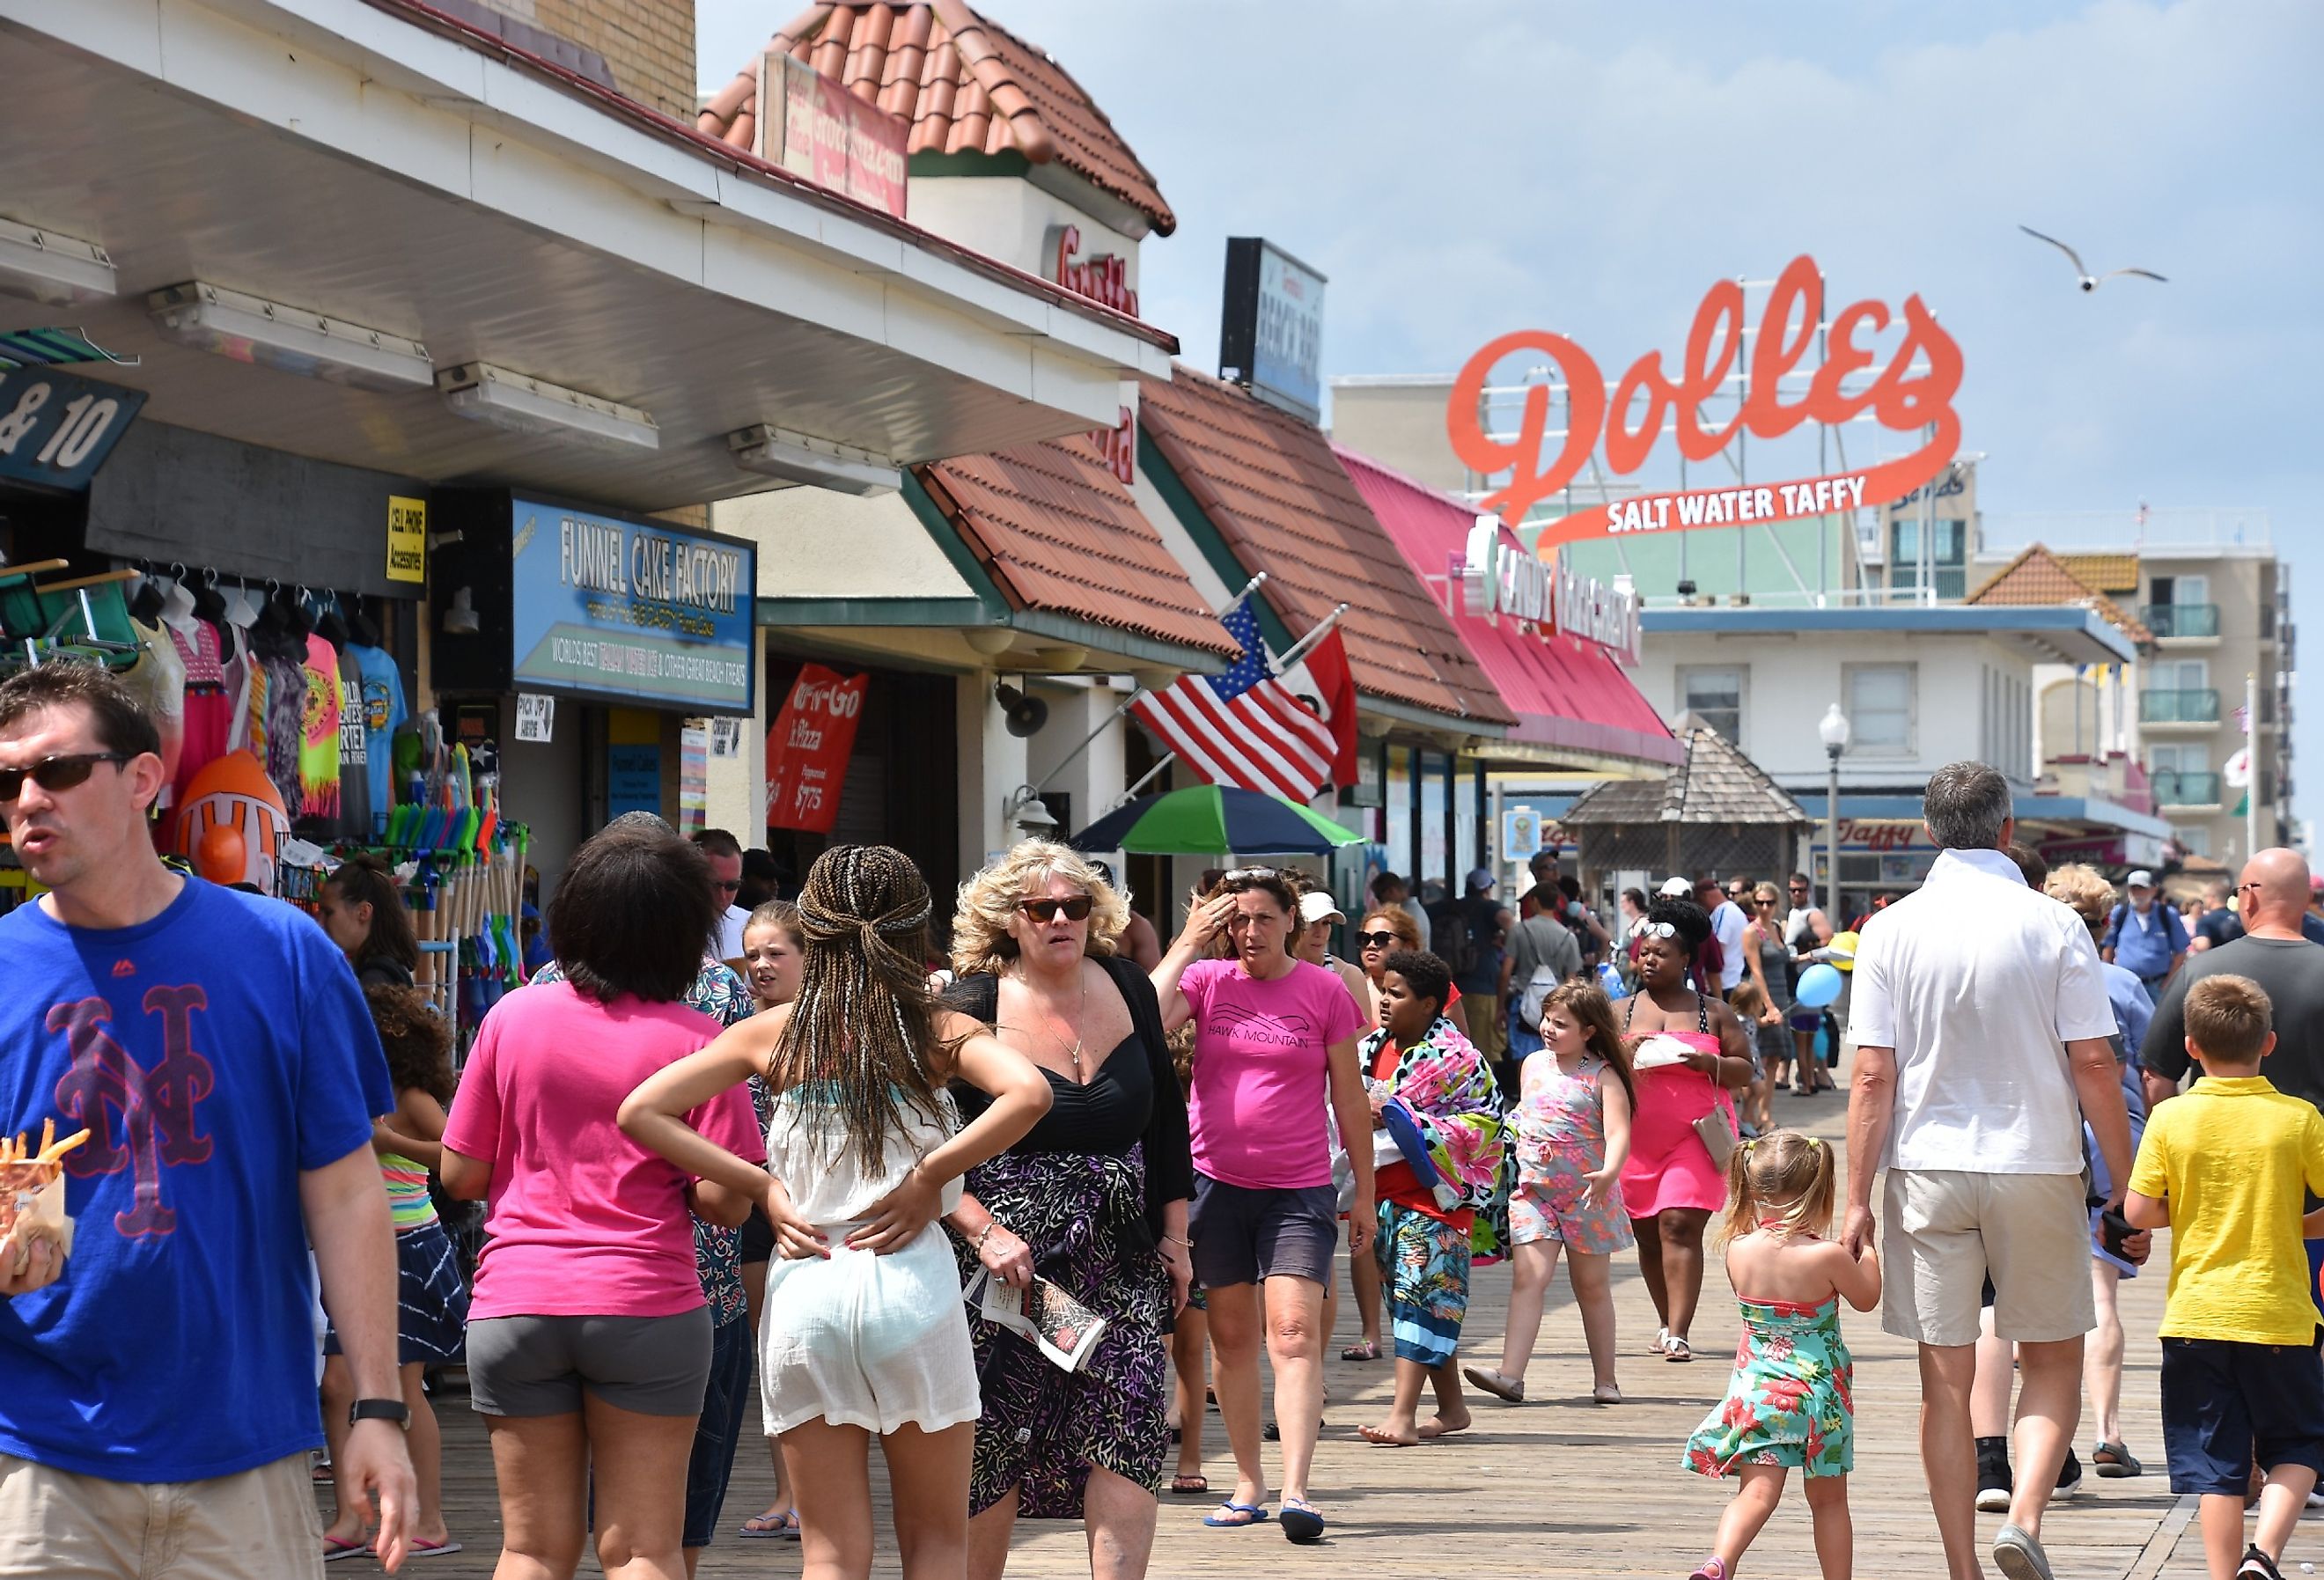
(2082,276)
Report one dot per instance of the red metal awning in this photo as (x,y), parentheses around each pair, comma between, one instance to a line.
(1567,694)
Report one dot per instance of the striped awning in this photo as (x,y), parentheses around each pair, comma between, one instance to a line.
(50,347)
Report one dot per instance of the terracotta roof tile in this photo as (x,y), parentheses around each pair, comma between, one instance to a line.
(1272,486)
(2104,573)
(1719,785)
(2040,579)
(1059,532)
(963,84)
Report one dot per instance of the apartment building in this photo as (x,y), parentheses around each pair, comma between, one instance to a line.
(2215,598)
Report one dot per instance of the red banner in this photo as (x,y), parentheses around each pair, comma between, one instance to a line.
(833,138)
(808,747)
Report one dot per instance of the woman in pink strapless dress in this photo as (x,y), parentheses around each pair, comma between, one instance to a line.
(1670,1183)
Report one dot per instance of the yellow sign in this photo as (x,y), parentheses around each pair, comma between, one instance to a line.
(407,539)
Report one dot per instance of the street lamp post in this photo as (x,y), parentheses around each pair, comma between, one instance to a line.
(1833,728)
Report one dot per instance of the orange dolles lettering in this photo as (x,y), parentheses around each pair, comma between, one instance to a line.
(1899,398)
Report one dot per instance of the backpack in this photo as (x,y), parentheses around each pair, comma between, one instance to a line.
(1450,939)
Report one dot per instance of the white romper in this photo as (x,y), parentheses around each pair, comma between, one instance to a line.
(860,1339)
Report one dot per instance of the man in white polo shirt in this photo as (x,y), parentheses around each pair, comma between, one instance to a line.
(1982,1024)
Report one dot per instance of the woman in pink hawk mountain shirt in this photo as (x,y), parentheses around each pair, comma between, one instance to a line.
(1273,1038)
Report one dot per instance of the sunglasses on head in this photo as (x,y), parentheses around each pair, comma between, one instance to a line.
(1376,940)
(1076,908)
(1241,874)
(1658,929)
(57,774)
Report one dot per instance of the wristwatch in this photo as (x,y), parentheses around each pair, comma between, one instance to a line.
(381,1409)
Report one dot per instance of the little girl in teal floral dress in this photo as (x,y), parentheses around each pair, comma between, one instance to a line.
(1789,1405)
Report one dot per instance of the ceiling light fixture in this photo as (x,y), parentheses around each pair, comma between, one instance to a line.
(250,328)
(796,457)
(51,268)
(485,394)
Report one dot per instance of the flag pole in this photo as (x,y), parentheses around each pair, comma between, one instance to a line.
(1105,724)
(1291,656)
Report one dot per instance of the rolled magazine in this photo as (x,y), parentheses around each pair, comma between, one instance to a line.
(1060,1326)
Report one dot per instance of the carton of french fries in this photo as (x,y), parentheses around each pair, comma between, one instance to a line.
(33,1189)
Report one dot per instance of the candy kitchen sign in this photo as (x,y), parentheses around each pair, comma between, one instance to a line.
(1498,578)
(1104,279)
(1899,397)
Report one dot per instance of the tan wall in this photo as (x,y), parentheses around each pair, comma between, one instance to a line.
(648,44)
(1401,426)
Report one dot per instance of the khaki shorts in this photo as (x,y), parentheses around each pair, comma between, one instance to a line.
(1948,1229)
(60,1525)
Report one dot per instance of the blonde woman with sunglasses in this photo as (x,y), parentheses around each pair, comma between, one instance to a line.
(1093,1200)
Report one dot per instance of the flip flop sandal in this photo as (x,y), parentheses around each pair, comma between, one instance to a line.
(334,1549)
(1367,1351)
(1252,1514)
(439,1549)
(1190,1486)
(2113,1462)
(1512,1389)
(784,1526)
(1300,1522)
(1677,1350)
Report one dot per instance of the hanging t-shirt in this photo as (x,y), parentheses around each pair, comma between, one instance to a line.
(319,734)
(354,751)
(209,708)
(384,711)
(208,1078)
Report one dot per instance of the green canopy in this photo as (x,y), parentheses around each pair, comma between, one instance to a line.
(1212,820)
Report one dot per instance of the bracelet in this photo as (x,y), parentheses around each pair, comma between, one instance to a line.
(985,1232)
(1174,1240)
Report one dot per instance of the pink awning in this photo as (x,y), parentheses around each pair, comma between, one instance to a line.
(1566,693)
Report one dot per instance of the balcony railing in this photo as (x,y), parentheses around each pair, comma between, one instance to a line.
(2173,788)
(2181,619)
(2198,706)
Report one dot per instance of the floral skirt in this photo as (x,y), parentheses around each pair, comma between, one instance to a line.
(1423,1264)
(1044,1430)
(1792,1399)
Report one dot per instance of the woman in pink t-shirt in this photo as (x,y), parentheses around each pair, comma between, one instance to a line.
(1273,1037)
(589,1345)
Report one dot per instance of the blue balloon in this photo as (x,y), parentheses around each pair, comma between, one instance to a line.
(1610,980)
(1819,984)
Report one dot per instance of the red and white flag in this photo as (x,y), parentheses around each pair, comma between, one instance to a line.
(1244,727)
(1329,686)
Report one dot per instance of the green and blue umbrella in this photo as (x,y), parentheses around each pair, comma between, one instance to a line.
(1212,820)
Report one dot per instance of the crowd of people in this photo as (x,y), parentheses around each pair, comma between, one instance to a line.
(788,1139)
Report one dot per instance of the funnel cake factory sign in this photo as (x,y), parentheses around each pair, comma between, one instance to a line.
(1914,390)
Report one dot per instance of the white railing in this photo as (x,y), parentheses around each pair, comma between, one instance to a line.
(2003,533)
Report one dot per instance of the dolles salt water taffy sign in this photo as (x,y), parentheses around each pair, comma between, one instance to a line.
(1913,392)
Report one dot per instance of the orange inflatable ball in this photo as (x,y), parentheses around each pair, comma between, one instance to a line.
(221,856)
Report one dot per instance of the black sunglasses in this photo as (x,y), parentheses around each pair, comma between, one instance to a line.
(1077,909)
(1375,941)
(57,774)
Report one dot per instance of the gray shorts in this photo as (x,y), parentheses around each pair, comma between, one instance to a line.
(1242,1235)
(540,1365)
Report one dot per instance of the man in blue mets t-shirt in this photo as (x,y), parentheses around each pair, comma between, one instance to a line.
(159,1396)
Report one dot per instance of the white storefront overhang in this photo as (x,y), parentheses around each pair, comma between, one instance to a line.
(376,162)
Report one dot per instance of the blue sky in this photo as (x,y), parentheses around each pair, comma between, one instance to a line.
(1460,169)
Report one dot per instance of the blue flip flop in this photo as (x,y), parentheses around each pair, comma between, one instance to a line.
(1300,1522)
(1258,1517)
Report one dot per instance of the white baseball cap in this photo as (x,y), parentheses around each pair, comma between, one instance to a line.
(2141,879)
(1316,906)
(1676,889)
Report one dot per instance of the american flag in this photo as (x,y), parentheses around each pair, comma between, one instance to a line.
(1245,727)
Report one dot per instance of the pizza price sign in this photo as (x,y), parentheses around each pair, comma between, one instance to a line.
(808,748)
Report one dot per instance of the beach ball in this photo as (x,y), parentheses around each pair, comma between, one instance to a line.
(1819,984)
(1843,947)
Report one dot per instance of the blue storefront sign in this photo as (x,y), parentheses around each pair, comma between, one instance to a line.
(629,611)
(57,429)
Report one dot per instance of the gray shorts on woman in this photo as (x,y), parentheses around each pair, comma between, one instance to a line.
(541,1365)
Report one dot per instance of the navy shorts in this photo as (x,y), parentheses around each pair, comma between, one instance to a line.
(1242,1235)
(2225,1403)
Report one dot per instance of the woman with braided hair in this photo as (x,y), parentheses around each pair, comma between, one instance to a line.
(863,1328)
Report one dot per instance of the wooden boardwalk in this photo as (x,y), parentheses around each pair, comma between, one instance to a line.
(1557,1487)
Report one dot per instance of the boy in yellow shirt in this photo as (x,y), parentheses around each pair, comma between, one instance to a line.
(2224,1168)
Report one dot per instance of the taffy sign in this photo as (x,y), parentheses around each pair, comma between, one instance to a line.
(1899,398)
